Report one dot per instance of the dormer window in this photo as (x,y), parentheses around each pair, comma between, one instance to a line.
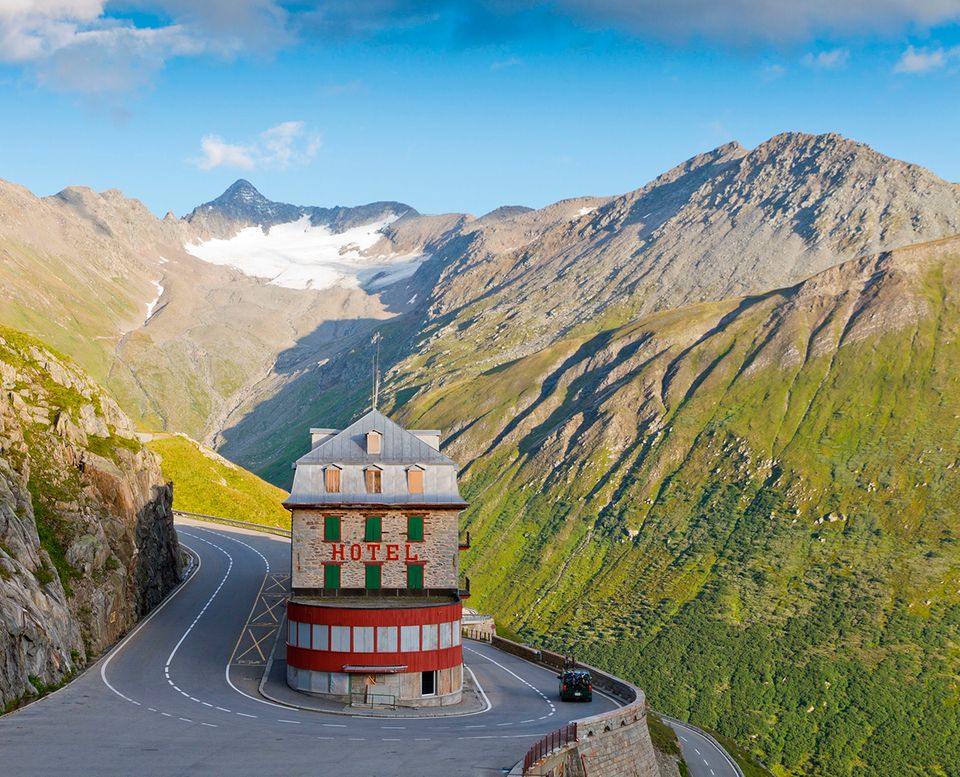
(331,479)
(374,442)
(373,478)
(415,479)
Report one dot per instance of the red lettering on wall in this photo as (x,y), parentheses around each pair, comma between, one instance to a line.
(373,550)
(410,555)
(338,553)
(393,552)
(356,552)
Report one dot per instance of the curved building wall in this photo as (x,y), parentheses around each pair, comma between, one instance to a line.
(376,652)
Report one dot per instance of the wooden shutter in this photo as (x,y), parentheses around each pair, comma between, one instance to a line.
(373,480)
(331,528)
(331,575)
(332,480)
(415,576)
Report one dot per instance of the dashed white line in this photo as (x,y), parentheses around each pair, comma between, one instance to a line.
(245,715)
(294,722)
(334,725)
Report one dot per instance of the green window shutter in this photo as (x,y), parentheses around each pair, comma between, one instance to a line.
(373,529)
(331,575)
(331,528)
(414,528)
(372,577)
(414,575)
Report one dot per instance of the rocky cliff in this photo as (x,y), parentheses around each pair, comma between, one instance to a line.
(87,544)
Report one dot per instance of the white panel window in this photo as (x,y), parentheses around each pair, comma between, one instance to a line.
(445,635)
(430,636)
(409,638)
(320,682)
(456,632)
(363,639)
(291,632)
(340,683)
(340,639)
(386,639)
(303,635)
(321,637)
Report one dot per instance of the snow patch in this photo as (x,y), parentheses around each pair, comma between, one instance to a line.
(298,255)
(585,211)
(152,306)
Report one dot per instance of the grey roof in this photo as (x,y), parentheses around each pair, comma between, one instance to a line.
(400,450)
(399,445)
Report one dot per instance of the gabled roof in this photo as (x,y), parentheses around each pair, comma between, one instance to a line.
(398,447)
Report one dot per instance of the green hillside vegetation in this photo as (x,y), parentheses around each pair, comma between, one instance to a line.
(206,483)
(749,508)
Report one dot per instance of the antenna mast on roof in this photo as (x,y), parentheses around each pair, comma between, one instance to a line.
(376,370)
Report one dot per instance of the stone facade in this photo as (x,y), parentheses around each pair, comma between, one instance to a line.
(438,549)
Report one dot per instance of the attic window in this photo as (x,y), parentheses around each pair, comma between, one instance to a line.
(374,441)
(415,480)
(331,480)
(373,478)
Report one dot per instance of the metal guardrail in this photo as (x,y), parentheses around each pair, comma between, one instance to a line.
(278,530)
(549,744)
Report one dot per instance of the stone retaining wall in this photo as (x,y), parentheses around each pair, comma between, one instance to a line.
(612,744)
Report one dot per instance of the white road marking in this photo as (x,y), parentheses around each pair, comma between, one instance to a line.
(209,725)
(294,722)
(334,725)
(390,740)
(245,715)
(397,728)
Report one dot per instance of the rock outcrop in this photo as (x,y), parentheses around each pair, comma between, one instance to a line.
(87,544)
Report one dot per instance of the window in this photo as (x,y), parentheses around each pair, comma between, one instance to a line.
(455,627)
(321,637)
(445,635)
(372,576)
(415,480)
(414,575)
(386,639)
(372,530)
(373,478)
(430,636)
(331,575)
(409,638)
(303,635)
(414,528)
(340,639)
(331,528)
(374,440)
(363,639)
(291,632)
(428,683)
(331,480)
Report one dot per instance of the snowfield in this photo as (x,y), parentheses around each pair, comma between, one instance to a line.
(299,255)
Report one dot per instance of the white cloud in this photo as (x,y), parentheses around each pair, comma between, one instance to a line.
(506,63)
(916,61)
(77,45)
(286,145)
(771,72)
(828,60)
(218,153)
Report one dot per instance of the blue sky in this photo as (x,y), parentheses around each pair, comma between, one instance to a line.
(453,106)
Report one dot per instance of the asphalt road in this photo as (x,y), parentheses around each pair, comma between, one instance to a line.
(704,758)
(163,702)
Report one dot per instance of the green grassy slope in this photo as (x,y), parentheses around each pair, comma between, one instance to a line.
(748,507)
(206,483)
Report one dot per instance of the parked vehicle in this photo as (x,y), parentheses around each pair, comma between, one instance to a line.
(576,685)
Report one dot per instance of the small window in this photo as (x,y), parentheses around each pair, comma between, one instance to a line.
(372,530)
(414,528)
(456,632)
(415,576)
(445,635)
(340,639)
(372,577)
(373,479)
(331,528)
(430,636)
(409,638)
(363,639)
(386,639)
(428,683)
(331,575)
(374,439)
(291,632)
(303,635)
(415,480)
(321,637)
(331,480)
